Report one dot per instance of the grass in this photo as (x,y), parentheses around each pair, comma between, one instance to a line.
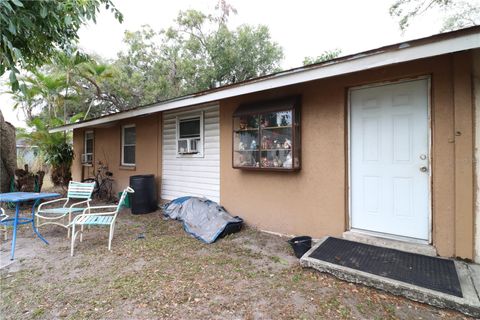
(170,275)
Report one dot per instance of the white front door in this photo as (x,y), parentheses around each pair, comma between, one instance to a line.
(389,159)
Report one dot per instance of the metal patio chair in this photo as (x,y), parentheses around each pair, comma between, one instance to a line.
(76,191)
(105,216)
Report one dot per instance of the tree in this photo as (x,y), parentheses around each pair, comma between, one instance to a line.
(72,84)
(198,52)
(55,148)
(212,55)
(32,31)
(457,14)
(42,93)
(325,56)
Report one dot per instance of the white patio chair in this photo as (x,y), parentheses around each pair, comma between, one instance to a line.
(76,191)
(100,218)
(3,217)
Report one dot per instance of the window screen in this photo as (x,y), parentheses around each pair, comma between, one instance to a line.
(189,128)
(128,145)
(89,142)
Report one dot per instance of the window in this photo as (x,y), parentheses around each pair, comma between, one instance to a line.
(128,145)
(190,135)
(266,135)
(87,156)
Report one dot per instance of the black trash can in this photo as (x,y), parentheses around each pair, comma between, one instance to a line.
(144,200)
(300,245)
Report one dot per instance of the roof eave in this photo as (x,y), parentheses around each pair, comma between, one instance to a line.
(403,52)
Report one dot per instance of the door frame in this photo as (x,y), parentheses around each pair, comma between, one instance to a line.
(430,171)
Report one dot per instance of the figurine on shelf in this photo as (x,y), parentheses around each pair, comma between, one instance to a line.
(272,119)
(252,122)
(241,146)
(276,163)
(288,161)
(265,163)
(279,118)
(241,160)
(277,144)
(266,143)
(264,123)
(286,119)
(243,124)
(287,144)
(253,145)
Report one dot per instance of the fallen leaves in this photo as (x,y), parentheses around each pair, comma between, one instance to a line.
(170,275)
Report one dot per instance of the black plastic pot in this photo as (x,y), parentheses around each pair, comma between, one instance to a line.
(300,245)
(144,200)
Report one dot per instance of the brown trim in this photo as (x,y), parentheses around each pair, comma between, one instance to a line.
(463,133)
(291,103)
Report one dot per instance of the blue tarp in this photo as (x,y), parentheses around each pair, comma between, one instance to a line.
(202,218)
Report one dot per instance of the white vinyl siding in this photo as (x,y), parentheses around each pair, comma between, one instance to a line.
(190,175)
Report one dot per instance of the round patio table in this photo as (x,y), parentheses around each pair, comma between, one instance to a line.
(18,198)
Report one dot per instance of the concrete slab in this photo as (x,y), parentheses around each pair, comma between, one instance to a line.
(468,274)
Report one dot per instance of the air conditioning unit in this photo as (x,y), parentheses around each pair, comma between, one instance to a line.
(193,145)
(87,158)
(188,146)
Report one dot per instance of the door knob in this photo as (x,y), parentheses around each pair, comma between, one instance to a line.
(423,169)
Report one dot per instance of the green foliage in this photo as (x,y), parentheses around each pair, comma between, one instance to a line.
(464,14)
(198,52)
(325,56)
(457,14)
(70,85)
(55,148)
(40,91)
(32,31)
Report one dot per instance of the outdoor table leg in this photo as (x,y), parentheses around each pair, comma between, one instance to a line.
(15,223)
(33,223)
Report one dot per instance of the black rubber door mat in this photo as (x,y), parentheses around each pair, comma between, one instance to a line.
(423,271)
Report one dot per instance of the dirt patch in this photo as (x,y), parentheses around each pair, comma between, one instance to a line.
(170,275)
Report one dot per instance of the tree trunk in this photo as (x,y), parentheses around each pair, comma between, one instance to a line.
(8,154)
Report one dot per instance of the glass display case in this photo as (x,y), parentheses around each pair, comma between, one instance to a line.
(266,135)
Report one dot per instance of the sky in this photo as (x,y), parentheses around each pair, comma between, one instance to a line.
(302,27)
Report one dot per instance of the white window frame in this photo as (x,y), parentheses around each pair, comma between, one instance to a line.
(200,147)
(85,153)
(123,145)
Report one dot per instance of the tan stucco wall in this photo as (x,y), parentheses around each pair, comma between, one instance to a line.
(107,148)
(314,200)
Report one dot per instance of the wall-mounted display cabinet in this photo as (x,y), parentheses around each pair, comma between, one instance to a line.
(266,135)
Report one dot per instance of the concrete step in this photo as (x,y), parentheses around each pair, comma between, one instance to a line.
(419,248)
(468,274)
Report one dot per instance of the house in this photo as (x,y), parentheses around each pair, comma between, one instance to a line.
(382,142)
(26,153)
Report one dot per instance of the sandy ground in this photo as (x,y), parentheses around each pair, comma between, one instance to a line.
(170,275)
